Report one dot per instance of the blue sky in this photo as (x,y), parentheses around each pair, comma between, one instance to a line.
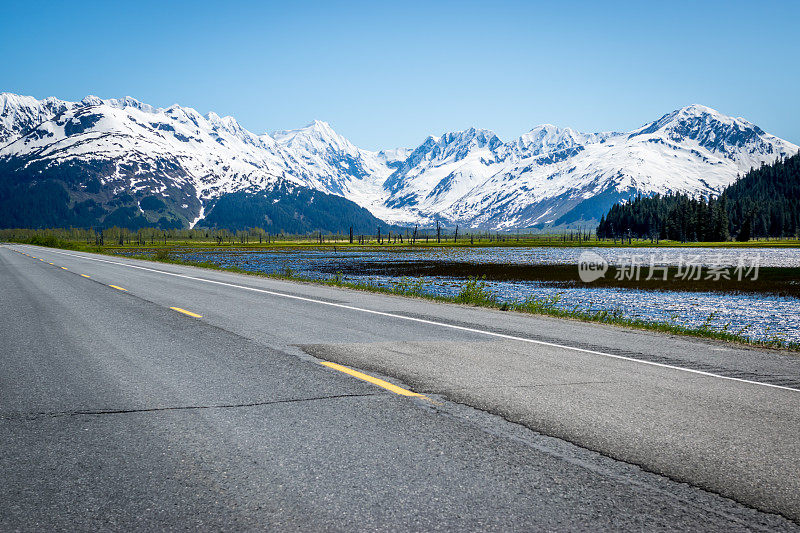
(387,75)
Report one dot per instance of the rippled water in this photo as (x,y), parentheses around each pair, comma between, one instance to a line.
(756,315)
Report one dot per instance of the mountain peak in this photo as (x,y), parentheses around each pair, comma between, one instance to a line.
(546,127)
(471,135)
(9,100)
(20,113)
(729,137)
(543,130)
(319,125)
(691,120)
(547,138)
(316,132)
(697,109)
(91,100)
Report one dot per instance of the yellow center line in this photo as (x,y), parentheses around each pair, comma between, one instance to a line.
(65,268)
(84,275)
(51,264)
(118,288)
(185,312)
(375,381)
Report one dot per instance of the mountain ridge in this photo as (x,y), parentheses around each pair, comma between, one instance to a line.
(546,176)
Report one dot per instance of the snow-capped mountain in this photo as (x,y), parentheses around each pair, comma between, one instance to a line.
(324,160)
(553,175)
(100,160)
(547,138)
(21,113)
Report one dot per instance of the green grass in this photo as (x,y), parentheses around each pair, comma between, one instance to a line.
(51,241)
(474,292)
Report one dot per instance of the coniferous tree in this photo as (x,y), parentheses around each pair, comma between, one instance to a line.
(763,203)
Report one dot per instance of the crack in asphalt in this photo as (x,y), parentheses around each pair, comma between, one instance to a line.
(530,438)
(90,412)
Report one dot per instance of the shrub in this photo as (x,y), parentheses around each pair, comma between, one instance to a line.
(51,242)
(162,254)
(409,286)
(532,304)
(474,291)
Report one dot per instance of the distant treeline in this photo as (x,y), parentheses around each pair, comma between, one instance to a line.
(120,236)
(763,203)
(291,210)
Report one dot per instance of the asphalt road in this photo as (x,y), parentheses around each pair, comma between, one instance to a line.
(118,410)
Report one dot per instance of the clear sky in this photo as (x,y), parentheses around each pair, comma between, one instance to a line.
(388,74)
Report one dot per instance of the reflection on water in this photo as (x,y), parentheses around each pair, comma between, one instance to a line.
(758,316)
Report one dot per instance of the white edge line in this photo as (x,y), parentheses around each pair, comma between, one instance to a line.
(434,323)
